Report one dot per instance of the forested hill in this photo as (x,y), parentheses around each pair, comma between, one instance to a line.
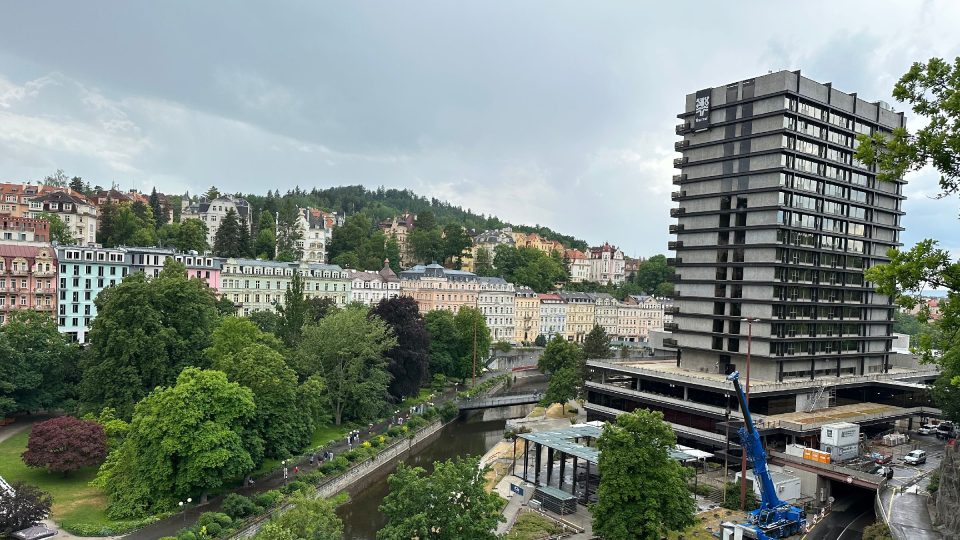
(385,203)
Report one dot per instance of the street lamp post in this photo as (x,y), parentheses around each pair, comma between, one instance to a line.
(743,451)
(284,472)
(183,509)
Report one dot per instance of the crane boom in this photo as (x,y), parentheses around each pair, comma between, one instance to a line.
(774,518)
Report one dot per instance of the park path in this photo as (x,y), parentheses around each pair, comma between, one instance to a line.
(273,480)
(20,425)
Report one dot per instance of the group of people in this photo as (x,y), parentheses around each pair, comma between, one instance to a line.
(327,456)
(353,438)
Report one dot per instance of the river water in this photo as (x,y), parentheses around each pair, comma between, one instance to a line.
(466,437)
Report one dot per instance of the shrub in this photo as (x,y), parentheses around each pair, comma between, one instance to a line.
(502,346)
(877,531)
(238,506)
(219,518)
(268,499)
(296,485)
(438,383)
(65,444)
(395,431)
(186,535)
(366,444)
(213,529)
(449,411)
(224,520)
(313,477)
(934,484)
(168,538)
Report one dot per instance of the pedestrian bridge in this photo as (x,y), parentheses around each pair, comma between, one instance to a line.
(498,401)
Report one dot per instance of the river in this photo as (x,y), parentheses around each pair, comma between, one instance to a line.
(470,436)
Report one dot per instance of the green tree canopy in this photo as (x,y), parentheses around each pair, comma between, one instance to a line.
(234,334)
(310,518)
(643,491)
(347,349)
(444,342)
(652,273)
(293,313)
(59,231)
(277,421)
(564,361)
(530,267)
(39,366)
(931,90)
(183,441)
(449,504)
(597,344)
(145,333)
(227,241)
(266,241)
(474,341)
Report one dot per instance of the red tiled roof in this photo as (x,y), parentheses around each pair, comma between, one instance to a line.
(20,250)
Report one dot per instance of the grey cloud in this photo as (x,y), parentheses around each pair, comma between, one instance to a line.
(553,112)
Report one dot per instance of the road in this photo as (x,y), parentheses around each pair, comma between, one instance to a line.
(846,521)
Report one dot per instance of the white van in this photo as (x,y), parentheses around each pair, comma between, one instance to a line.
(915,457)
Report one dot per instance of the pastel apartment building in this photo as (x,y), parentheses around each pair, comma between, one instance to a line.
(526,315)
(28,279)
(370,288)
(581,316)
(76,211)
(212,212)
(553,315)
(316,229)
(16,200)
(578,265)
(496,299)
(399,228)
(258,285)
(84,271)
(24,229)
(607,264)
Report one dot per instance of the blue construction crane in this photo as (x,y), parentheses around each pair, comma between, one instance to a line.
(774,518)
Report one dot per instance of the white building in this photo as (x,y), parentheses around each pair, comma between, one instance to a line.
(577,264)
(496,299)
(607,264)
(75,210)
(369,288)
(213,212)
(255,285)
(316,229)
(628,322)
(553,315)
(606,312)
(651,314)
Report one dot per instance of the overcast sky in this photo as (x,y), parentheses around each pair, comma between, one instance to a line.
(557,113)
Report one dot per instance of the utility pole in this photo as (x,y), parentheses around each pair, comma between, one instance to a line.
(474,351)
(743,457)
(276,235)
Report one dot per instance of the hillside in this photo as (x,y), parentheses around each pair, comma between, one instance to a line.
(385,203)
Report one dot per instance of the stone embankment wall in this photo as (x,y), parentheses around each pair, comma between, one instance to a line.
(948,494)
(359,475)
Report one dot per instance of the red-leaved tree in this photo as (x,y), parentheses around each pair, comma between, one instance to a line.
(66,444)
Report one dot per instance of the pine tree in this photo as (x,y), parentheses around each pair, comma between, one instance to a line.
(246,243)
(159,215)
(227,240)
(597,343)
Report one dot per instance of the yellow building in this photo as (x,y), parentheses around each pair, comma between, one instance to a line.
(526,317)
(581,316)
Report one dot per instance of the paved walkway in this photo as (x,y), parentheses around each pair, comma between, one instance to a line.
(22,423)
(273,480)
(908,516)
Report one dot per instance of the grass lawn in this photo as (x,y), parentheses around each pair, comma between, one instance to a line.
(422,397)
(707,523)
(322,436)
(74,501)
(531,526)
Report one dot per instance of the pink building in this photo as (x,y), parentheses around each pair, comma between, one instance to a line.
(28,278)
(205,267)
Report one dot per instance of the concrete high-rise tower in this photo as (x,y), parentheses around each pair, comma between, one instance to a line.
(776,222)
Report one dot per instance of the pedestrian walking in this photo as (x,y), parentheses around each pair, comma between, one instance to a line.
(312,457)
(296,470)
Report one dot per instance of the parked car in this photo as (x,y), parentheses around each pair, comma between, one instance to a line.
(882,458)
(946,430)
(927,429)
(915,457)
